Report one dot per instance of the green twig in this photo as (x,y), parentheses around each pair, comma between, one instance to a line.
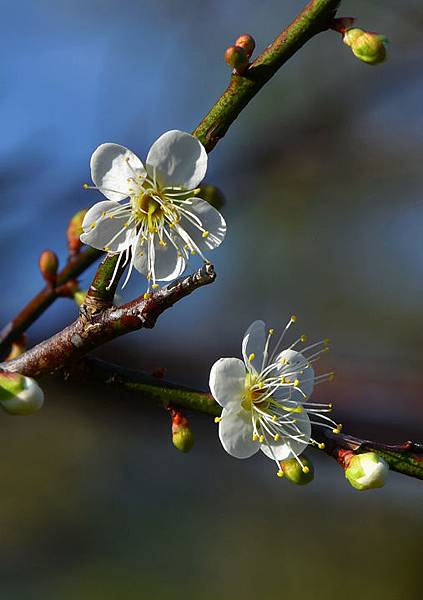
(316,17)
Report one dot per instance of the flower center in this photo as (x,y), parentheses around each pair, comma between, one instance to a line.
(252,393)
(146,208)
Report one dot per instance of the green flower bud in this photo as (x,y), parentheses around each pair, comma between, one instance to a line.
(294,472)
(212,195)
(49,263)
(79,296)
(366,471)
(182,436)
(247,42)
(237,58)
(20,395)
(367,46)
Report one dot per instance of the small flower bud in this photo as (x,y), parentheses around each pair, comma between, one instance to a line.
(73,232)
(367,46)
(182,436)
(49,263)
(18,347)
(294,472)
(247,42)
(237,58)
(366,471)
(79,296)
(212,195)
(20,395)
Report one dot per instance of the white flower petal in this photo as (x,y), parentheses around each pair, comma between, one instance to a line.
(286,447)
(208,218)
(168,262)
(227,382)
(236,432)
(177,159)
(253,343)
(113,168)
(99,229)
(296,366)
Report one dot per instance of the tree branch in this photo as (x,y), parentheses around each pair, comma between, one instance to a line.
(315,17)
(406,458)
(93,328)
(35,307)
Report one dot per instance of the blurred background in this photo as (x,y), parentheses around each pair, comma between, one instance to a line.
(323,180)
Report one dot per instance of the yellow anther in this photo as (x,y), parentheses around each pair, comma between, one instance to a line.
(251,357)
(296,382)
(261,439)
(282,379)
(287,380)
(255,437)
(305,470)
(330,406)
(85,186)
(92,226)
(271,331)
(331,377)
(260,385)
(326,341)
(336,430)
(205,234)
(293,318)
(339,426)
(217,419)
(279,473)
(326,349)
(147,295)
(103,214)
(192,252)
(283,361)
(321,446)
(155,286)
(163,243)
(276,437)
(106,249)
(171,225)
(303,338)
(126,224)
(274,418)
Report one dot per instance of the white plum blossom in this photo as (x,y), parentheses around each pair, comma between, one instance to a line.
(265,397)
(152,213)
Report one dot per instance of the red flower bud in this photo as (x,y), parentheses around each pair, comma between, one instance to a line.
(49,263)
(73,232)
(237,58)
(247,42)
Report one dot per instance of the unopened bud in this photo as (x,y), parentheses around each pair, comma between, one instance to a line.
(212,194)
(366,471)
(297,473)
(79,296)
(368,46)
(20,395)
(247,42)
(18,347)
(237,58)
(182,436)
(74,231)
(49,263)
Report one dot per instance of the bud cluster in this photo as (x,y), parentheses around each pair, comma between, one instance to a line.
(238,55)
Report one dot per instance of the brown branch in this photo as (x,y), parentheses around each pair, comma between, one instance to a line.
(35,307)
(316,17)
(92,328)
